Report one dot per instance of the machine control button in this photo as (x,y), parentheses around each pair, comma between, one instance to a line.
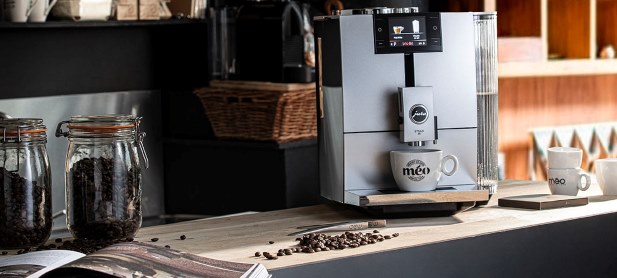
(435,27)
(435,41)
(379,30)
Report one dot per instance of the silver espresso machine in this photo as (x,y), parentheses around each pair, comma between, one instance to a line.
(378,70)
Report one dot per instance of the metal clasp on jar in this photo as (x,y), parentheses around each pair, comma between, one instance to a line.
(139,139)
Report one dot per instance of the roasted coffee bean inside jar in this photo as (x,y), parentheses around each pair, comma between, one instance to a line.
(103,176)
(105,199)
(25,213)
(25,184)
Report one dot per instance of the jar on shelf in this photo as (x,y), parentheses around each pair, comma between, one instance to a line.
(103,176)
(25,181)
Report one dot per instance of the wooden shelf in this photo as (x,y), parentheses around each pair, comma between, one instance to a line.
(535,90)
(557,68)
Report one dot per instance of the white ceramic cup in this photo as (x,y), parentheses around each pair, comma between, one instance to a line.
(40,10)
(18,10)
(420,169)
(606,175)
(567,181)
(564,157)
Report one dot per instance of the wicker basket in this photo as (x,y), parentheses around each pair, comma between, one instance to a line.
(262,111)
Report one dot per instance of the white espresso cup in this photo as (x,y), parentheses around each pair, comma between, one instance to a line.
(564,157)
(606,175)
(567,181)
(40,10)
(18,10)
(420,169)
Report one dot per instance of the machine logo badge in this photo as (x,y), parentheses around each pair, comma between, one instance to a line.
(418,114)
(416,170)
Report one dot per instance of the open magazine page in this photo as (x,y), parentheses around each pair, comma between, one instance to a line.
(136,259)
(36,263)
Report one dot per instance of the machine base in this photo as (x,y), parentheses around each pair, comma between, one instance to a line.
(443,201)
(420,210)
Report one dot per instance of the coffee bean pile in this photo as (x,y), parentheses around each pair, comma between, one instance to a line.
(25,211)
(318,242)
(105,199)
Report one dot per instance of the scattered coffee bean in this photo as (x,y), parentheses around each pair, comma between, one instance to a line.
(167,246)
(182,237)
(257,254)
(129,239)
(52,246)
(311,243)
(105,199)
(395,234)
(5,253)
(154,239)
(271,242)
(58,240)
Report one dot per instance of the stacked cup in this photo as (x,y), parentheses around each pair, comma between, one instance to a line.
(606,175)
(564,172)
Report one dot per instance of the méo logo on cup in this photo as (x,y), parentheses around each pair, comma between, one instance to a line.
(418,172)
(556,181)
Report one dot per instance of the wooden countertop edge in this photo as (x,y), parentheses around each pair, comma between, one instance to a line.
(237,238)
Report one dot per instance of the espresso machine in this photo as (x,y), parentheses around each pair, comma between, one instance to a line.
(396,79)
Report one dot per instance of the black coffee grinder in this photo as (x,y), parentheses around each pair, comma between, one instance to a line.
(270,43)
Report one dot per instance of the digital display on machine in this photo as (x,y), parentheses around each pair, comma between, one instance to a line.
(407,31)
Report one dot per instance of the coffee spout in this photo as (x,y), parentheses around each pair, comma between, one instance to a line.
(418,125)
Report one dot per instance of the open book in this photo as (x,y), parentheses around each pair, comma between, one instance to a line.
(126,259)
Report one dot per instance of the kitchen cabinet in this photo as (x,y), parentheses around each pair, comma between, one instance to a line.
(567,83)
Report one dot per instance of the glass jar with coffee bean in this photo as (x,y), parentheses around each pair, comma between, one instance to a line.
(25,181)
(103,175)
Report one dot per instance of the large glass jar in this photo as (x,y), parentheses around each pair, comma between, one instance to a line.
(103,176)
(25,178)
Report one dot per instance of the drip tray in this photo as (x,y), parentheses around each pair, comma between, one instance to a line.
(443,201)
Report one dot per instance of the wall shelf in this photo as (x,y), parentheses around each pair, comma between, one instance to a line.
(65,57)
(557,68)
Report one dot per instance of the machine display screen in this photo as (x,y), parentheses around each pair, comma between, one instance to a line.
(407,31)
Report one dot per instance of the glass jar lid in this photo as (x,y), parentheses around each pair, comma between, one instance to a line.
(104,126)
(16,130)
(103,123)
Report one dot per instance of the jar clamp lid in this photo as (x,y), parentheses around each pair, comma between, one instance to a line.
(17,130)
(110,125)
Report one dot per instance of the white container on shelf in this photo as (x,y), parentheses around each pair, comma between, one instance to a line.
(83,10)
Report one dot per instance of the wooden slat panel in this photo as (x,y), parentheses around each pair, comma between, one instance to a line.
(518,18)
(606,25)
(569,28)
(526,103)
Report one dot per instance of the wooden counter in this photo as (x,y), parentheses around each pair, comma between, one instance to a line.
(489,241)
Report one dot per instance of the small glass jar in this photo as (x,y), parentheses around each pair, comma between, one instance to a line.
(25,181)
(103,176)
